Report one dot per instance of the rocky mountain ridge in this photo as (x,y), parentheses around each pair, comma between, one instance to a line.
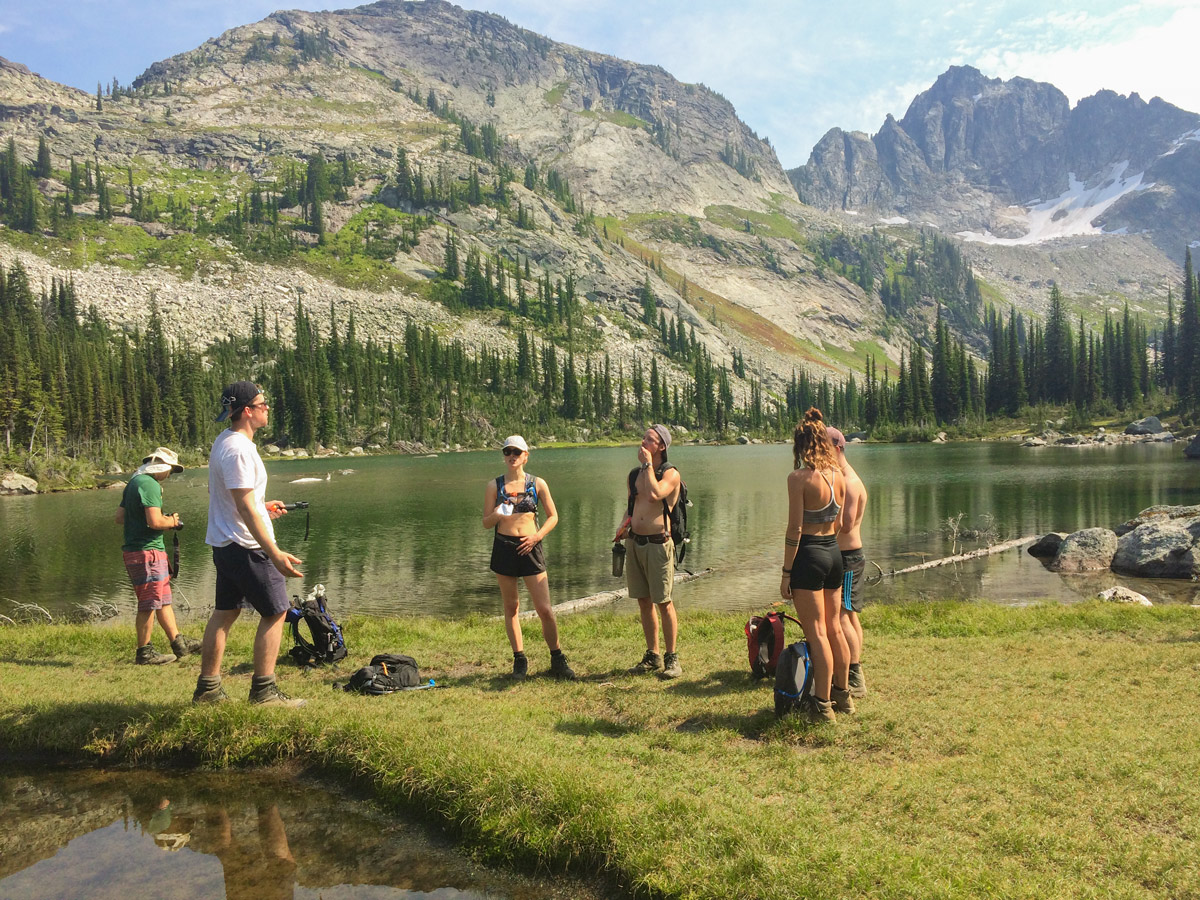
(1011,162)
(672,187)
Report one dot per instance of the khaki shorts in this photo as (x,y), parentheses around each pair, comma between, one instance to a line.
(650,570)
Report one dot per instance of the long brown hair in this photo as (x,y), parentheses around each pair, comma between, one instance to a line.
(811,445)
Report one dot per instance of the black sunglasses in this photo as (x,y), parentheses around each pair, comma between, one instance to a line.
(512,451)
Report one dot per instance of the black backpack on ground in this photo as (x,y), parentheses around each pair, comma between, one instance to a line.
(793,678)
(675,515)
(386,674)
(327,644)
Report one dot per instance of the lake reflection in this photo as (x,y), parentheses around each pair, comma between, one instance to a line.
(203,836)
(401,535)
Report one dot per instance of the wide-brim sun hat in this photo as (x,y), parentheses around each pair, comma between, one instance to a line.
(160,460)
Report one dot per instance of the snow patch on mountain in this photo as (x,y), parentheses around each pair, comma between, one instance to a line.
(1071,213)
(1183,139)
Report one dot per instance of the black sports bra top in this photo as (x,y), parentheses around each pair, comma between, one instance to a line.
(828,512)
(529,498)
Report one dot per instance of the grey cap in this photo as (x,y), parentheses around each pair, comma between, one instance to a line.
(664,434)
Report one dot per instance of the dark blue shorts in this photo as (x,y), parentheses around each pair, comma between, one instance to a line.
(250,576)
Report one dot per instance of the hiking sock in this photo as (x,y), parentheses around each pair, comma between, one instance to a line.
(556,653)
(206,683)
(261,683)
(856,667)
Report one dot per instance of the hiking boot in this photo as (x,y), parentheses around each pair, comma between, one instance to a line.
(560,669)
(271,695)
(841,700)
(148,656)
(209,695)
(815,712)
(651,662)
(857,684)
(185,646)
(671,668)
(521,667)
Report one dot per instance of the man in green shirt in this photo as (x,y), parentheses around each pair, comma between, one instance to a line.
(145,556)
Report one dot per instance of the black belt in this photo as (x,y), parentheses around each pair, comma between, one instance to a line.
(650,538)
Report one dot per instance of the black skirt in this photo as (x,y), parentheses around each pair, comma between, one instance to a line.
(506,560)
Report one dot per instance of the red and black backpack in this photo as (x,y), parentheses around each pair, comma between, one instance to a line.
(765,641)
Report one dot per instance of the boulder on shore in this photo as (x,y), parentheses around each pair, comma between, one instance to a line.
(1192,451)
(1089,550)
(16,483)
(1169,549)
(1046,547)
(1148,425)
(1121,594)
(1158,514)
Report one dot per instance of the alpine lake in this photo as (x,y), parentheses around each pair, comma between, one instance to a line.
(396,536)
(400,535)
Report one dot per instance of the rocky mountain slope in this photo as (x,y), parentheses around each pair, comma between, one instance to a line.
(1011,163)
(638,178)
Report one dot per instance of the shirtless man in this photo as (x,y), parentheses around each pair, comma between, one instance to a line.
(650,552)
(853,562)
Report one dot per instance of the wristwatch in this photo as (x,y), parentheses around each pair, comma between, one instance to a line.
(645,465)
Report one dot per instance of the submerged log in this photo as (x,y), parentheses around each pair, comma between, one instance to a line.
(964,557)
(607,598)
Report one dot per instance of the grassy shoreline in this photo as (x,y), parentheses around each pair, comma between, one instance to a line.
(1045,751)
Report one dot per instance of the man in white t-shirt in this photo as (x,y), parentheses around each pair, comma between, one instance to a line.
(250,566)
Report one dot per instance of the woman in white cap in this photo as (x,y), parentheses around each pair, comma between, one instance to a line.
(510,506)
(145,555)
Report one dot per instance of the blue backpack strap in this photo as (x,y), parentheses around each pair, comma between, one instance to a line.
(501,495)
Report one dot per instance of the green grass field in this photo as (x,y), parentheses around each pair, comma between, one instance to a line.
(1039,752)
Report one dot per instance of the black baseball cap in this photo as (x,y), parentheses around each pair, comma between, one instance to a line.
(237,397)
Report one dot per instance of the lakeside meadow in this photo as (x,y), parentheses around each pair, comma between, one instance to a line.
(1043,751)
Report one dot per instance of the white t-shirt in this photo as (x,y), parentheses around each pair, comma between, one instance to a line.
(234,463)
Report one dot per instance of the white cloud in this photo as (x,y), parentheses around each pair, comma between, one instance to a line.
(1147,59)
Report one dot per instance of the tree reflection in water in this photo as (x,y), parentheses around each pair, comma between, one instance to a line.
(112,835)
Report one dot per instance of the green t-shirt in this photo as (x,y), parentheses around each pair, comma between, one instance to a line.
(142,492)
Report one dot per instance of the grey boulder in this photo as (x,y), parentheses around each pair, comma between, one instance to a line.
(1148,425)
(1089,550)
(1046,547)
(1160,550)
(16,483)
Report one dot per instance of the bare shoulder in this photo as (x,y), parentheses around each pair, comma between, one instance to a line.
(800,476)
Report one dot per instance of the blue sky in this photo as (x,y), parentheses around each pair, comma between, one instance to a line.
(793,68)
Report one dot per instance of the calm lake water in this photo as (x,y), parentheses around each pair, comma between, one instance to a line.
(203,836)
(401,535)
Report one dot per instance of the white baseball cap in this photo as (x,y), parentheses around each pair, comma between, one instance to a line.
(515,440)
